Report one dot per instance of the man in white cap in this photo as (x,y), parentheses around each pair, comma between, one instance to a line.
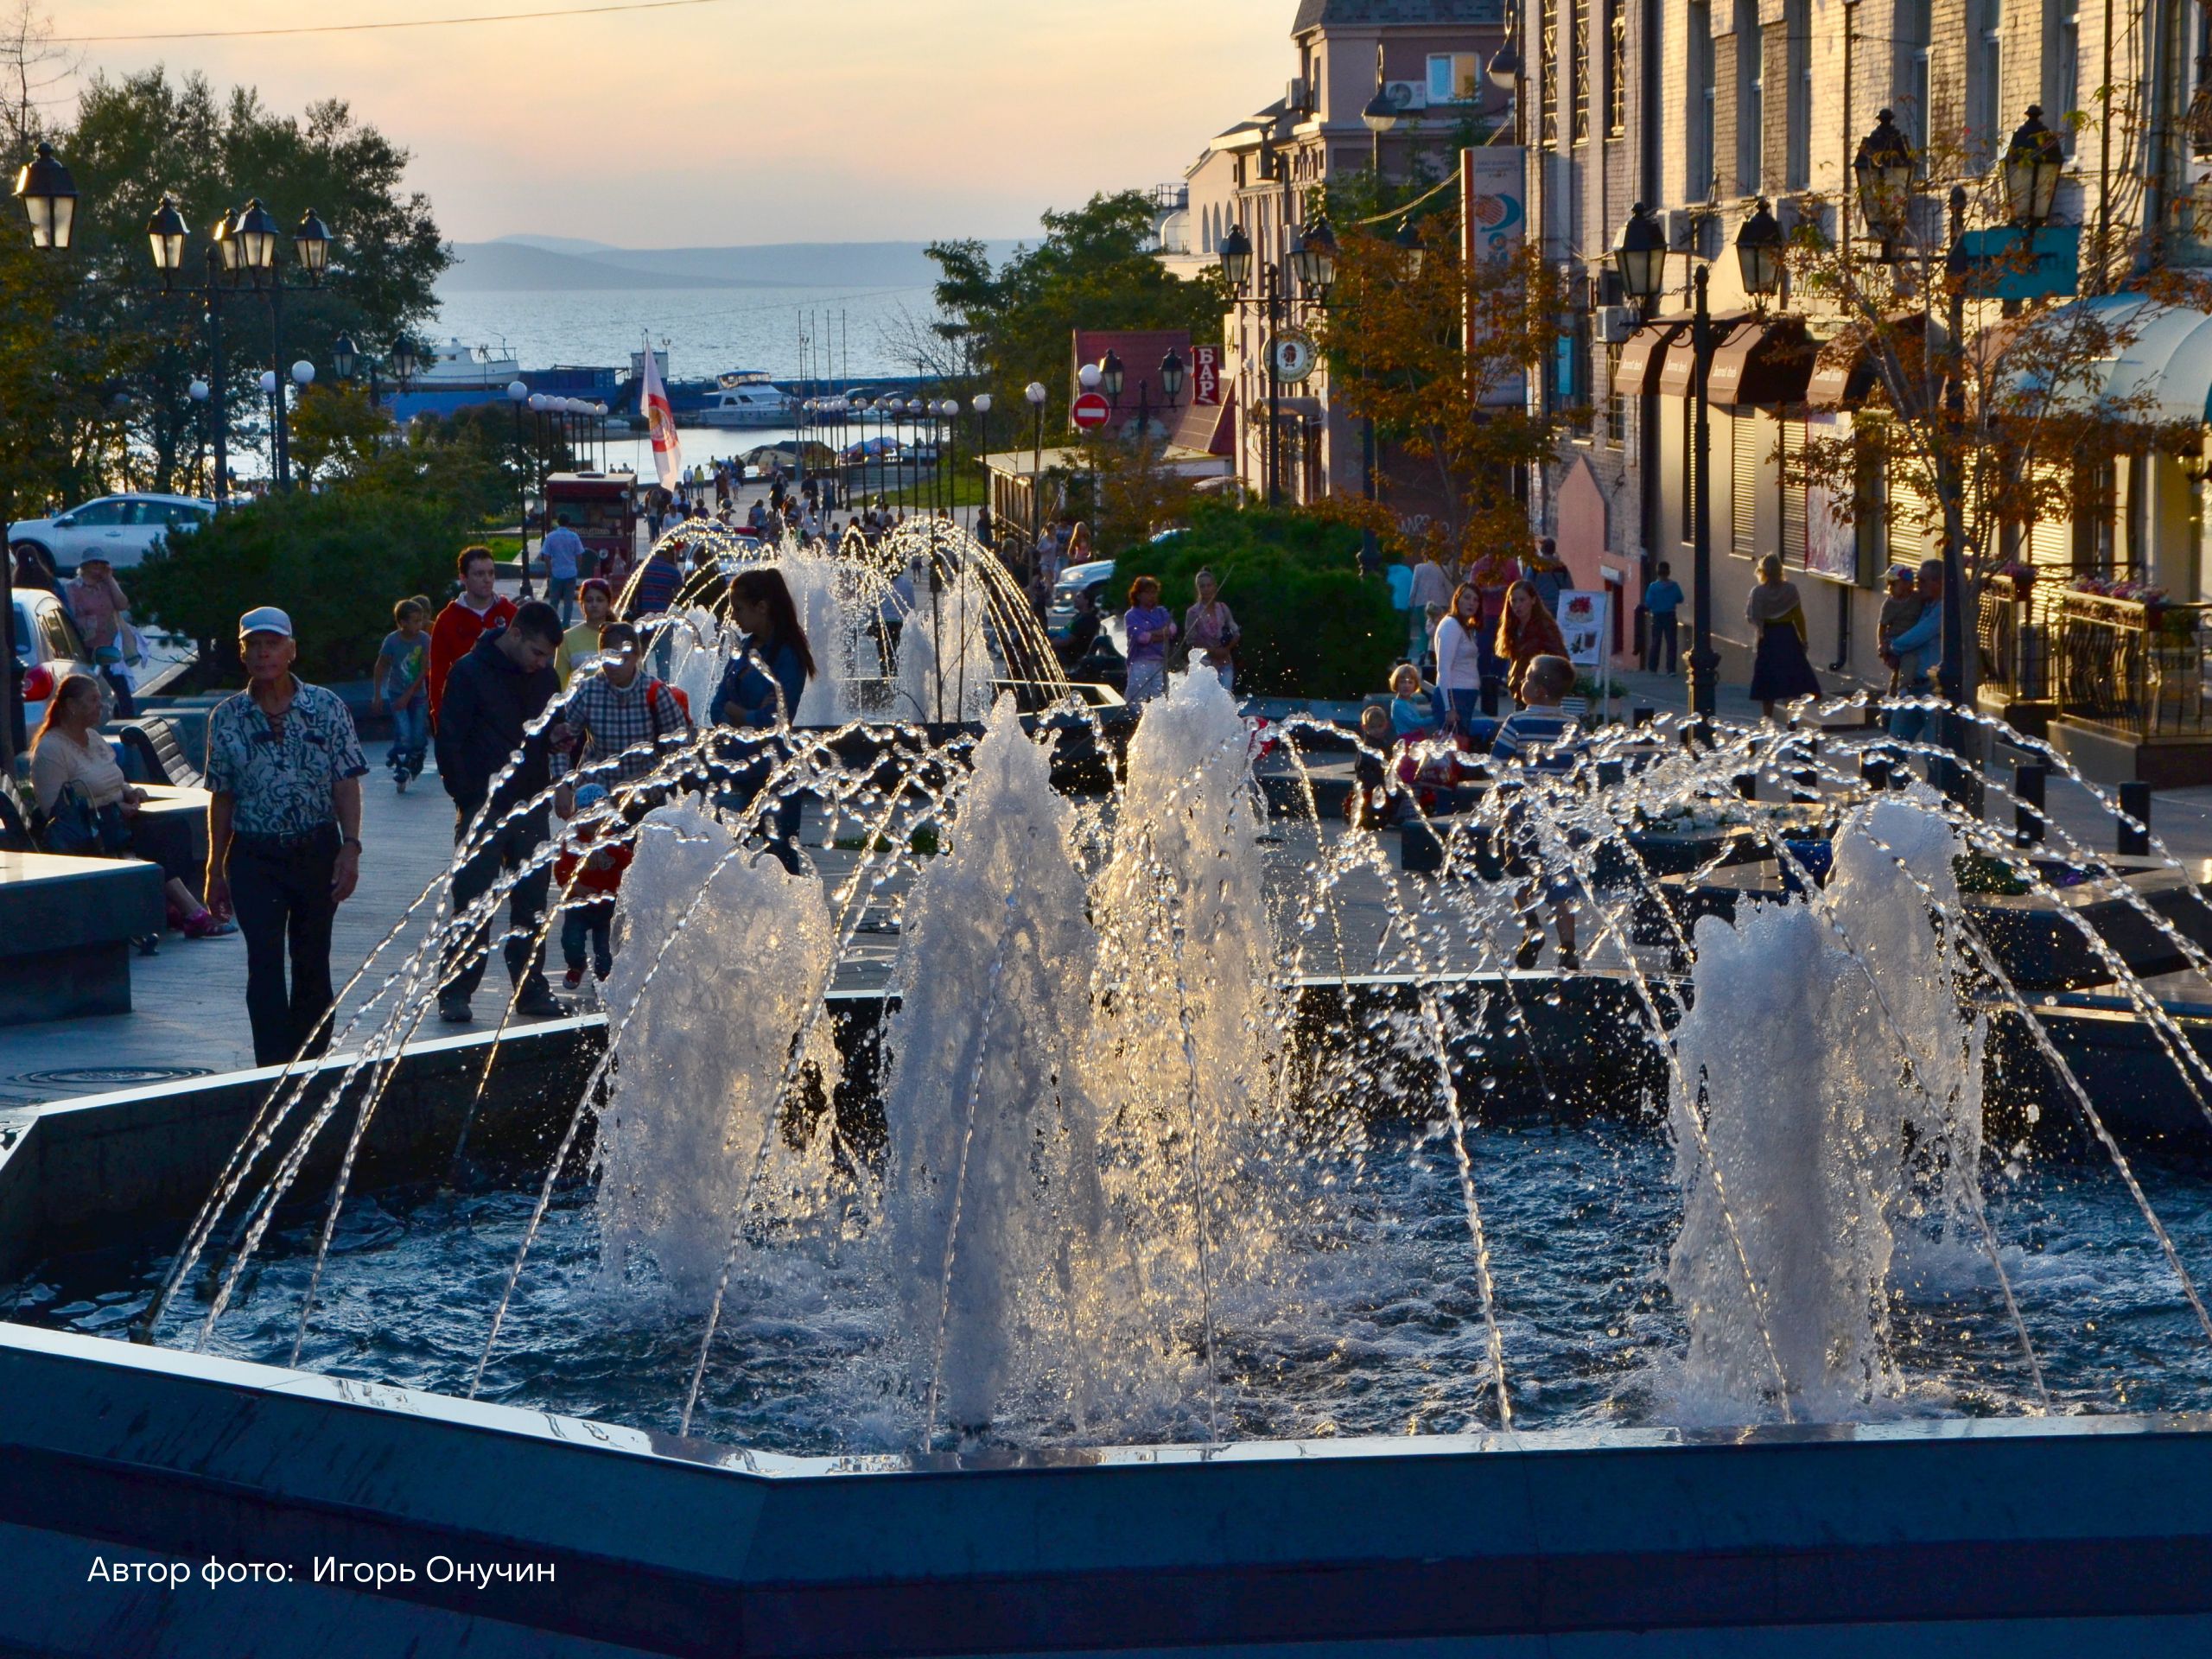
(284,769)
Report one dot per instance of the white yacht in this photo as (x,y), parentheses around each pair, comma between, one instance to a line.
(454,367)
(741,397)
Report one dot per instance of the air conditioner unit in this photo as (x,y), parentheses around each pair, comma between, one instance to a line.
(1408,95)
(1615,324)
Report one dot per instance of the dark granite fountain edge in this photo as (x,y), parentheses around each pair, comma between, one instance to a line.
(649,1544)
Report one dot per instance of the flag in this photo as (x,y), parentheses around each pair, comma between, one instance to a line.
(660,422)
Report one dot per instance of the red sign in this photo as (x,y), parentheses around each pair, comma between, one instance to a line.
(1205,376)
(1089,410)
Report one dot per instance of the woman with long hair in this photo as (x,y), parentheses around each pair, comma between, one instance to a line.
(1526,631)
(1781,672)
(1460,658)
(760,691)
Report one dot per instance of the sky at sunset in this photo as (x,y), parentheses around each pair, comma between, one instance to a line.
(749,120)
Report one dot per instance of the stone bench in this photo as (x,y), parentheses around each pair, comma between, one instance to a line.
(170,829)
(152,753)
(65,931)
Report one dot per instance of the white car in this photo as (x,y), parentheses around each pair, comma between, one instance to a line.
(120,528)
(46,638)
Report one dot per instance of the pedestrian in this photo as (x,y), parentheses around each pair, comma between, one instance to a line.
(1901,608)
(580,644)
(1546,573)
(617,714)
(1780,671)
(1150,626)
(494,768)
(1430,586)
(401,681)
(1413,706)
(1918,650)
(1526,631)
(565,555)
(1460,660)
(590,872)
(1539,735)
(86,804)
(102,612)
(987,530)
(760,692)
(477,606)
(1661,600)
(284,769)
(1083,629)
(1211,634)
(656,585)
(1398,577)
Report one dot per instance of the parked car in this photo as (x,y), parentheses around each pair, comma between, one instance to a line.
(48,649)
(120,528)
(1096,575)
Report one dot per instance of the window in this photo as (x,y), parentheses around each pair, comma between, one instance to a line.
(1548,72)
(1454,77)
(98,514)
(1574,373)
(1795,494)
(1986,76)
(1909,94)
(1577,27)
(1751,98)
(1616,69)
(1701,160)
(1615,405)
(1797,24)
(2065,92)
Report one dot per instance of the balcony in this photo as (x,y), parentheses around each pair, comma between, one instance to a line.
(2129,671)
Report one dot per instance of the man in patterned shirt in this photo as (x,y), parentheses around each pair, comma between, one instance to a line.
(284,770)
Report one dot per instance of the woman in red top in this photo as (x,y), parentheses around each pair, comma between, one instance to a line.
(1526,631)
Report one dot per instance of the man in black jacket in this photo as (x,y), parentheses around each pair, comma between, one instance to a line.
(491,697)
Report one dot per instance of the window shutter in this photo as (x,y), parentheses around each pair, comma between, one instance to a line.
(1744,495)
(1795,536)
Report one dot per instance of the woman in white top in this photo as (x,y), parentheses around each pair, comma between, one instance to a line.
(1460,659)
(70,763)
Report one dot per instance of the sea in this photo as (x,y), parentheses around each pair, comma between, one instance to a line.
(849,333)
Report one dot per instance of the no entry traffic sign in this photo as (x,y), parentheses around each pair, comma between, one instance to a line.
(1089,410)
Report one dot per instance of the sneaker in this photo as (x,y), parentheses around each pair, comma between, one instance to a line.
(455,1010)
(1532,946)
(1570,962)
(573,978)
(539,1002)
(400,779)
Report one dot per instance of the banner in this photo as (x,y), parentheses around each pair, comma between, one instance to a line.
(1493,222)
(1831,549)
(1205,376)
(660,424)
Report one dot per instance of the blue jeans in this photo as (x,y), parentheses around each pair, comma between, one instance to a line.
(588,923)
(410,738)
(560,594)
(1466,704)
(1910,725)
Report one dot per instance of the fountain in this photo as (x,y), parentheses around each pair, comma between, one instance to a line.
(1190,1198)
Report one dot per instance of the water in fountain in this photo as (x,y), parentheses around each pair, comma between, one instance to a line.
(1138,1182)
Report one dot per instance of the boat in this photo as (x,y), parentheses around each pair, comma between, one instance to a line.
(740,397)
(456,367)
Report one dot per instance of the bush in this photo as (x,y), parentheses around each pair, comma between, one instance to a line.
(336,561)
(1312,628)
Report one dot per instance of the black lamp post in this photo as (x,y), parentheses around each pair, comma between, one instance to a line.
(2033,163)
(981,402)
(1883,170)
(517,397)
(1310,260)
(1035,392)
(166,237)
(49,199)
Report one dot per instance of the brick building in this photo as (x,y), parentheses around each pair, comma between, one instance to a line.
(1698,108)
(1427,57)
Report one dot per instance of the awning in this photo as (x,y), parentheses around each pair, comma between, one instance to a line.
(1641,352)
(1764,364)
(1679,378)
(1843,371)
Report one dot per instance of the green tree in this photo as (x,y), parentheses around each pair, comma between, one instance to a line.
(1004,325)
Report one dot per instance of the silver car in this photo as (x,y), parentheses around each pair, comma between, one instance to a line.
(120,528)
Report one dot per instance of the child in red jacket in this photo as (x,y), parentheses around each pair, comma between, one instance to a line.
(588,875)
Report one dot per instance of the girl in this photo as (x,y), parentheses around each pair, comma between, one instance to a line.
(1150,626)
(1460,659)
(760,691)
(1526,631)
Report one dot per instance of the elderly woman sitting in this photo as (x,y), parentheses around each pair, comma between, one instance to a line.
(87,802)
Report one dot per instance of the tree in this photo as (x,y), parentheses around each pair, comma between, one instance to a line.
(1007,324)
(1432,352)
(1974,425)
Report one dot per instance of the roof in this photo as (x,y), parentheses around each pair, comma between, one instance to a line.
(1346,14)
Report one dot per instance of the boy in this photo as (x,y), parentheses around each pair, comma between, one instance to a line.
(588,877)
(1900,610)
(1539,737)
(401,678)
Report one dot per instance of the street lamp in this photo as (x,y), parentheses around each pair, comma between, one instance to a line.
(1035,392)
(311,242)
(1640,255)
(1883,170)
(1313,255)
(2032,165)
(49,199)
(407,360)
(343,356)
(255,230)
(1275,281)
(1758,251)
(1380,115)
(1409,243)
(1236,254)
(165,233)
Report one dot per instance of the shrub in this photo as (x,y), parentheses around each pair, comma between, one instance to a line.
(334,561)
(1312,627)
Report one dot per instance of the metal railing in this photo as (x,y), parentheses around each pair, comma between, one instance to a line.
(2017,624)
(2135,666)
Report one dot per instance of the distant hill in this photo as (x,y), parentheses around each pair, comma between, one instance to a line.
(532,264)
(559,243)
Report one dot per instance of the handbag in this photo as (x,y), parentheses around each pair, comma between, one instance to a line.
(76,829)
